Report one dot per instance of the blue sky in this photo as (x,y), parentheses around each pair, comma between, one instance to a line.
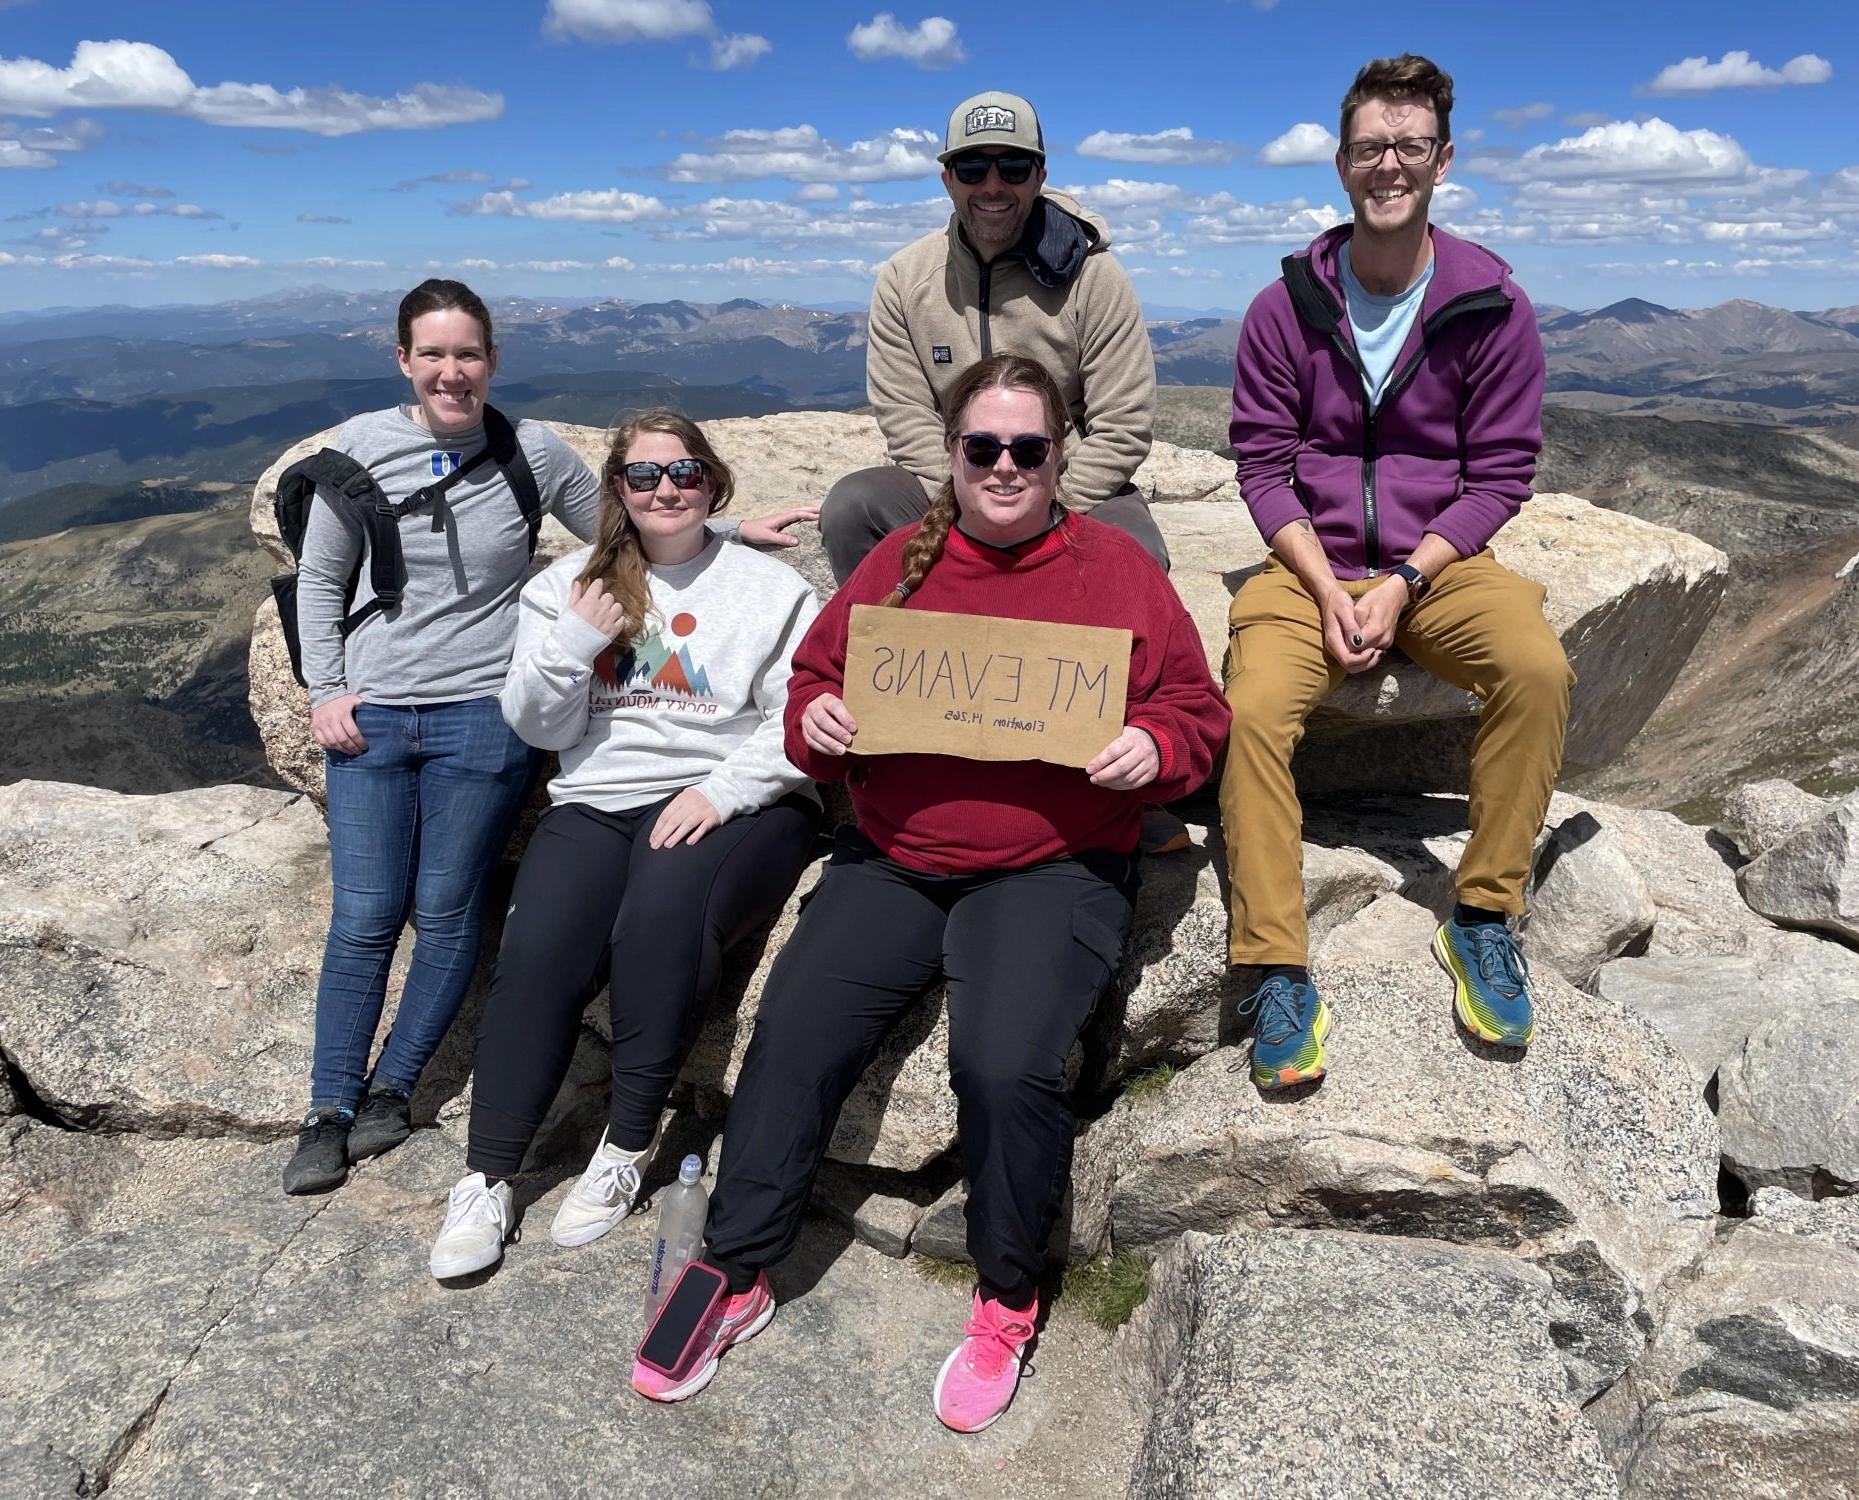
(1683,152)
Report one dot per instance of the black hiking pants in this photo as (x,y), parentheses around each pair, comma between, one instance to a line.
(1026,955)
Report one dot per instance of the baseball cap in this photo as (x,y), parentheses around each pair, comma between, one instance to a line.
(993,119)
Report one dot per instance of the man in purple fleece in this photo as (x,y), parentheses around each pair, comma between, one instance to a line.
(1387,414)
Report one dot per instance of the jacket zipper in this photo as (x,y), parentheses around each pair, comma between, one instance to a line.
(1310,297)
(987,276)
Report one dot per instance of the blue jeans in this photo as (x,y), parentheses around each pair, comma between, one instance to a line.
(415,823)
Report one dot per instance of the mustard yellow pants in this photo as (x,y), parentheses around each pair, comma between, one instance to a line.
(1480,628)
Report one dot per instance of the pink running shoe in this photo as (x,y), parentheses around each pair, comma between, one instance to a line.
(978,1380)
(744,1315)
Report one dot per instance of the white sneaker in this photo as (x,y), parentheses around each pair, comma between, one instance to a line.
(477,1222)
(604,1195)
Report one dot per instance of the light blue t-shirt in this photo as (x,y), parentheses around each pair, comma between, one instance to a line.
(1380,324)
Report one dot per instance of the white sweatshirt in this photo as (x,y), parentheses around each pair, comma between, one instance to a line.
(696,701)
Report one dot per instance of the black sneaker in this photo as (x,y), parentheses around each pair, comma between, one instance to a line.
(322,1156)
(384,1120)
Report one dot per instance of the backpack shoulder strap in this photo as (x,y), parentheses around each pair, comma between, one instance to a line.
(506,452)
(356,497)
(346,486)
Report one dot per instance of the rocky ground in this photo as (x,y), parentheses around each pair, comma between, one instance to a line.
(1625,1263)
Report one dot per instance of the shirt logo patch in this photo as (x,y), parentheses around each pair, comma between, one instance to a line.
(444,462)
(940,353)
(988,117)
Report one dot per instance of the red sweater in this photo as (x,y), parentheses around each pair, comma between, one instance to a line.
(953,816)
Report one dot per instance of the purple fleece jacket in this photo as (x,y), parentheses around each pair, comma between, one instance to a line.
(1450,450)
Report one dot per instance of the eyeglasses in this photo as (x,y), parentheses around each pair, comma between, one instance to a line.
(686,474)
(1412,151)
(972,170)
(983,451)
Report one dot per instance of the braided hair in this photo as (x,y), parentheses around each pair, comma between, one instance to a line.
(1006,372)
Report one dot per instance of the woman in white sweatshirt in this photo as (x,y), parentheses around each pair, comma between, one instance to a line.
(656,662)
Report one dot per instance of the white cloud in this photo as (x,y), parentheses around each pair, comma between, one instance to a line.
(137,75)
(1293,222)
(1303,145)
(738,50)
(931,43)
(16,156)
(323,219)
(334,263)
(1632,151)
(598,206)
(628,20)
(1737,70)
(801,154)
(106,209)
(119,187)
(1163,148)
(1523,114)
(1453,197)
(218,262)
(877,226)
(33,147)
(755,267)
(816,192)
(617,263)
(1124,193)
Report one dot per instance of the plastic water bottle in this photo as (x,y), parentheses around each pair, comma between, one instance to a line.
(681,1217)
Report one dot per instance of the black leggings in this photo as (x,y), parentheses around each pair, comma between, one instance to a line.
(1026,955)
(594,900)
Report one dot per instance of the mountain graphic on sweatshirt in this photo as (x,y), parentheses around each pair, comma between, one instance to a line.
(650,664)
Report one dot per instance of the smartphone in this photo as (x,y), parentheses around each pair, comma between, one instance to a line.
(682,1326)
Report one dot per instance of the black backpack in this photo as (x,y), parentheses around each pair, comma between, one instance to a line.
(361,505)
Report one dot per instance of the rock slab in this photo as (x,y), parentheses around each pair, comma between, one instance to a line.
(1751,1387)
(1415,1369)
(1592,1155)
(1811,878)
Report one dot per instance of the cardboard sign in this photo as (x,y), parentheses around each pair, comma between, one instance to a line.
(983,687)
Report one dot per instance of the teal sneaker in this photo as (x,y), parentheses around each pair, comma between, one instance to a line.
(1287,1041)
(1492,979)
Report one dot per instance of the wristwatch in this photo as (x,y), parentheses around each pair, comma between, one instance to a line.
(1417,582)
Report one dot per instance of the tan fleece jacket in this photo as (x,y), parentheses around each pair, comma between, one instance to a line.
(926,328)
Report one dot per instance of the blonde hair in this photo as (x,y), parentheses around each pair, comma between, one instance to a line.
(617,559)
(1001,372)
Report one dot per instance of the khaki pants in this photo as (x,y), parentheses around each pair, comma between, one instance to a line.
(1480,628)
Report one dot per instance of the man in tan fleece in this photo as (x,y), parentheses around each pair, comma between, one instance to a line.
(1020,270)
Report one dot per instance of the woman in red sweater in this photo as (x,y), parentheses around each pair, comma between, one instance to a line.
(1011,882)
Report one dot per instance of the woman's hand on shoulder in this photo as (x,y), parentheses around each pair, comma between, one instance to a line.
(333,725)
(827,725)
(593,603)
(1129,761)
(686,819)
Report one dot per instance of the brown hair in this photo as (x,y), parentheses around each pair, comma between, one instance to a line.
(1001,372)
(1408,76)
(436,294)
(617,559)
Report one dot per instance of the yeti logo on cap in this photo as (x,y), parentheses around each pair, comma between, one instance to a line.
(989,117)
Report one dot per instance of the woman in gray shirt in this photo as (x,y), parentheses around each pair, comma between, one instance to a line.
(424,777)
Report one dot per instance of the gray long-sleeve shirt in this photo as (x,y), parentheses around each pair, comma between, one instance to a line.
(449,639)
(696,701)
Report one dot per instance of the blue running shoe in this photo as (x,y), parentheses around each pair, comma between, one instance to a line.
(1287,1042)
(1492,978)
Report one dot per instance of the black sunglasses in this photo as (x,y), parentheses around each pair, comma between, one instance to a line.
(972,170)
(984,451)
(686,474)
